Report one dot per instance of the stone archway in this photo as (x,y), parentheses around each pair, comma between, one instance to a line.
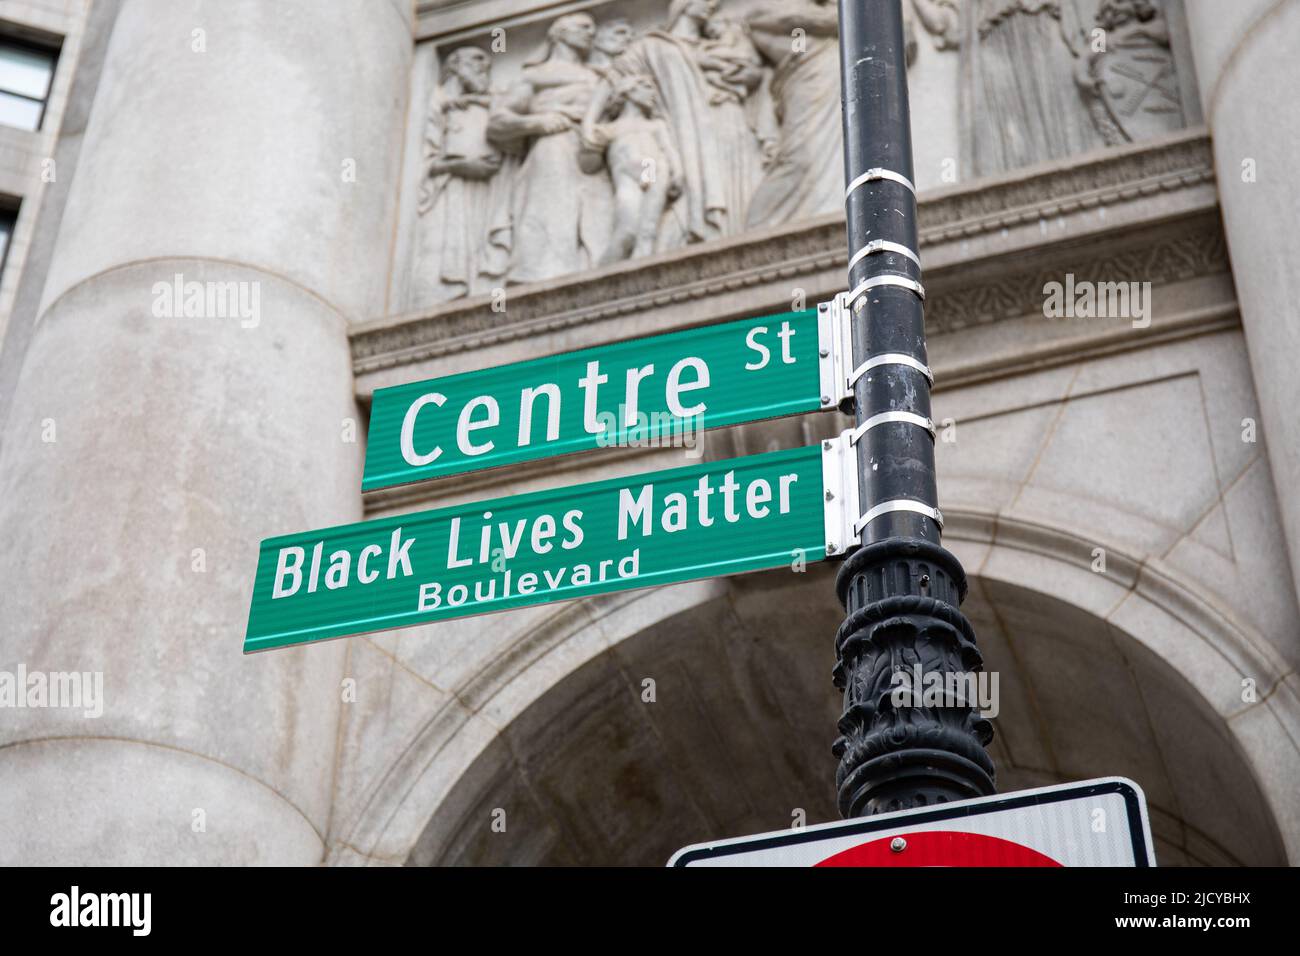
(1124,673)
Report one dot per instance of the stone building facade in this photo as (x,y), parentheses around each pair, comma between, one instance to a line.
(417,189)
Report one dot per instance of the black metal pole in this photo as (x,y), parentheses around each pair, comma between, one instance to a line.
(900,588)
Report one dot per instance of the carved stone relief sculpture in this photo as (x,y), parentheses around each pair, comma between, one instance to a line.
(799,40)
(1133,82)
(559,215)
(1021,103)
(703,69)
(465,187)
(614,141)
(646,169)
(1035,86)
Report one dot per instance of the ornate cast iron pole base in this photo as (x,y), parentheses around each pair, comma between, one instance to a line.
(901,596)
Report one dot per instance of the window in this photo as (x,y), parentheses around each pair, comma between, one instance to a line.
(26,70)
(8,217)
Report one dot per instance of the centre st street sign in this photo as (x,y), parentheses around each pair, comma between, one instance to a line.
(1100,822)
(704,520)
(640,391)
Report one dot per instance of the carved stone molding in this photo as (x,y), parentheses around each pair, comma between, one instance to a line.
(1157,255)
(1101,178)
(1149,180)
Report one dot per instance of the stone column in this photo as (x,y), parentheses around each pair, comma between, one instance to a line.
(253,147)
(1248,72)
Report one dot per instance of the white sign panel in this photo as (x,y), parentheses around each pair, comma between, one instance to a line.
(1093,823)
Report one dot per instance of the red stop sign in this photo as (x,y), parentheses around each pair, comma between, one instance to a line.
(940,848)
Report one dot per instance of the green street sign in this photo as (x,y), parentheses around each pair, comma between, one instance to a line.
(702,520)
(653,392)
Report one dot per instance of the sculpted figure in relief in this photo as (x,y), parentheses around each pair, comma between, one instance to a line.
(1021,102)
(703,69)
(644,164)
(800,39)
(806,176)
(461,191)
(559,215)
(1133,82)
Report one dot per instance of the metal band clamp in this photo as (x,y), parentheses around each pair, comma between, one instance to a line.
(877,281)
(882,245)
(889,358)
(875,174)
(885,418)
(899,504)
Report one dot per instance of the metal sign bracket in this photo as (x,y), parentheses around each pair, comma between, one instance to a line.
(841,505)
(835,353)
